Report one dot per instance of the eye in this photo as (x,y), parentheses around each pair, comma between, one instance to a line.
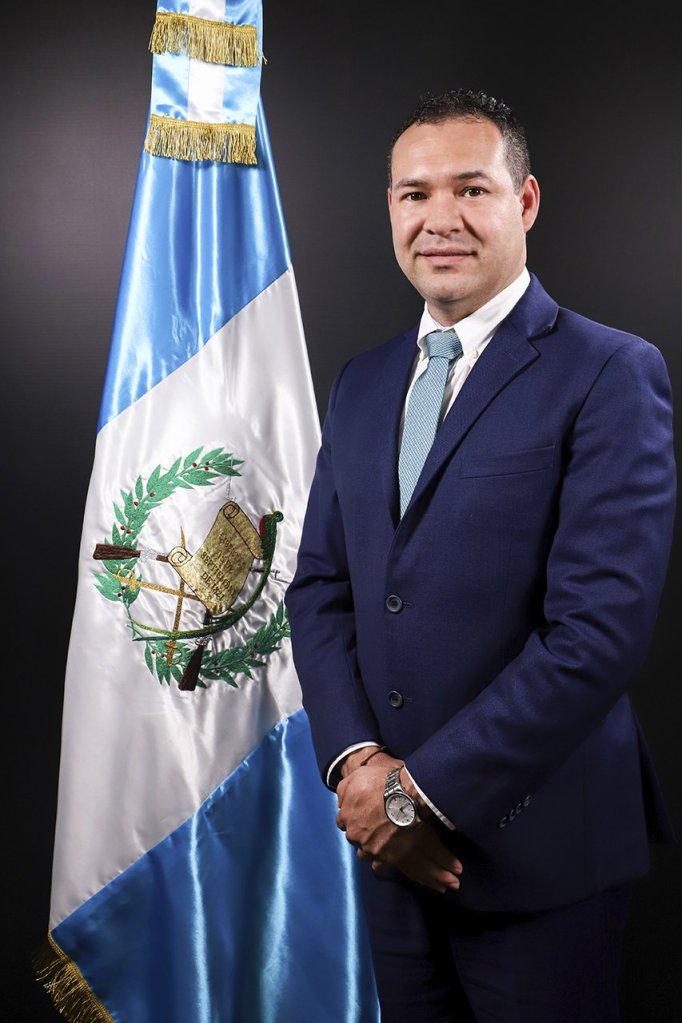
(474,191)
(413,197)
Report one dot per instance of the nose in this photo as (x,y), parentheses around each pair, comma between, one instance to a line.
(443,215)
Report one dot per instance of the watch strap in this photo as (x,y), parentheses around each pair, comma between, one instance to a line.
(393,786)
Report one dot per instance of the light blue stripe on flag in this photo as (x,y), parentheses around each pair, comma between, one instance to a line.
(241,871)
(204,240)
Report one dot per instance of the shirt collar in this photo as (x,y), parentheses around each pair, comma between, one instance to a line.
(477,329)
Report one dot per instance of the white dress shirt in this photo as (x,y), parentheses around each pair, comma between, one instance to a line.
(475,332)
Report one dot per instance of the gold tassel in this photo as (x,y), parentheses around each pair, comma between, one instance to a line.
(217,42)
(197,140)
(67,987)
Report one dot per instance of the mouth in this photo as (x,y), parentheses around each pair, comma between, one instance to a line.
(444,256)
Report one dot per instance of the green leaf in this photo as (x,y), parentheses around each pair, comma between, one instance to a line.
(177,672)
(153,480)
(173,471)
(129,597)
(128,505)
(106,587)
(163,489)
(193,475)
(210,455)
(192,456)
(226,465)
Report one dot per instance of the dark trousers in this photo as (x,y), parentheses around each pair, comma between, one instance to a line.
(435,963)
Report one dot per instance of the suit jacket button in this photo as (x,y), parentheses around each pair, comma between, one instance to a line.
(526,801)
(395,699)
(394,603)
(503,821)
(519,807)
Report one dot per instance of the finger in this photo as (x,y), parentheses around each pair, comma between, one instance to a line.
(433,885)
(442,860)
(436,851)
(440,881)
(443,877)
(446,879)
(339,823)
(447,861)
(362,855)
(449,864)
(429,874)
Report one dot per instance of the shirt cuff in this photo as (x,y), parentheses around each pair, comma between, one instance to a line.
(332,771)
(439,815)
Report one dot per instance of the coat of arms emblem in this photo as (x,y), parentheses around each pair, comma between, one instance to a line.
(210,579)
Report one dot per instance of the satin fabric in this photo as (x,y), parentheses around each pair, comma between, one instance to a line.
(159,751)
(197,872)
(204,240)
(196,91)
(238,12)
(232,872)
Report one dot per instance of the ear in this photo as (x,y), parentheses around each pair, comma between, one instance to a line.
(390,198)
(529,197)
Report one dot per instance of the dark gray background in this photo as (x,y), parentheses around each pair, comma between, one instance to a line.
(600,91)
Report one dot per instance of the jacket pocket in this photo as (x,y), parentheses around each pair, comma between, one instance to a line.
(509,463)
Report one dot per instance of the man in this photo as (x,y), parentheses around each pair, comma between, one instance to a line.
(469,611)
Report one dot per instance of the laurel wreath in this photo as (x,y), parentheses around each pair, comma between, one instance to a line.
(167,661)
(223,665)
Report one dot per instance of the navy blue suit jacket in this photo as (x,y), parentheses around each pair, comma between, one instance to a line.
(524,578)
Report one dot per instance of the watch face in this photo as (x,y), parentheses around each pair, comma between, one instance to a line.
(400,809)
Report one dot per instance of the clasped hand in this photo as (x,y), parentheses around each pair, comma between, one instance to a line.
(416,852)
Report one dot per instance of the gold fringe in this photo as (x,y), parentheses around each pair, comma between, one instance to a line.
(67,987)
(198,140)
(217,42)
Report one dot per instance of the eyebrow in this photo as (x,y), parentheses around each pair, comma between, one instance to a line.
(464,176)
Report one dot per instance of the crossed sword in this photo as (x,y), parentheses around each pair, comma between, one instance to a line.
(116,552)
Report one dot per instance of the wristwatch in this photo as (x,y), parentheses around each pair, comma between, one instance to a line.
(401,809)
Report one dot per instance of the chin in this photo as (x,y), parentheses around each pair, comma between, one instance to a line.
(443,298)
(445,286)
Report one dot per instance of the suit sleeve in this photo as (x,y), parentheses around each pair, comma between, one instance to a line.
(604,578)
(319,604)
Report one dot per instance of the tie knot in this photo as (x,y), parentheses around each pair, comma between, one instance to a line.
(444,344)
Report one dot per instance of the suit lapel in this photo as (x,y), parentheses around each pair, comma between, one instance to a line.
(507,355)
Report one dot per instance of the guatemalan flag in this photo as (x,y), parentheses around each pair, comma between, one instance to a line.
(198,876)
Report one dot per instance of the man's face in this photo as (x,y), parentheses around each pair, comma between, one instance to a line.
(459,226)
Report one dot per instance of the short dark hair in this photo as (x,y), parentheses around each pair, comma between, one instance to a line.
(462,103)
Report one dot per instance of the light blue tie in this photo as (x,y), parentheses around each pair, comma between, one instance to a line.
(423,409)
